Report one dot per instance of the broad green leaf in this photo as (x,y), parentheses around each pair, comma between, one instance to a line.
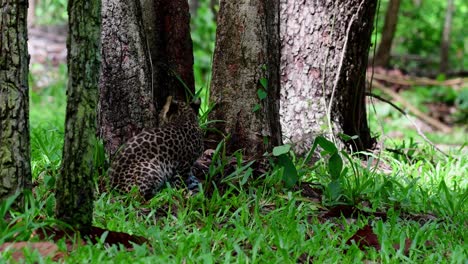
(326,144)
(256,108)
(264,82)
(261,94)
(335,166)
(280,150)
(334,189)
(290,176)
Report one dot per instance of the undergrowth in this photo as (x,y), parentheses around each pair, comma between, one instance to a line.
(263,218)
(407,191)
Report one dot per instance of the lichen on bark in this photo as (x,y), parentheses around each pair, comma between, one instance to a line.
(313,36)
(75,184)
(15,170)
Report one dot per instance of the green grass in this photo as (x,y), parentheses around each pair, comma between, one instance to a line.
(258,220)
(395,128)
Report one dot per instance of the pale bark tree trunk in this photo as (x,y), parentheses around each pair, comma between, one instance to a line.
(75,184)
(382,56)
(147,55)
(445,45)
(126,103)
(247,50)
(324,54)
(15,169)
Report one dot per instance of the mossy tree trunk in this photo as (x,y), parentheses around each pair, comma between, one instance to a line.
(246,54)
(325,46)
(75,184)
(146,50)
(15,169)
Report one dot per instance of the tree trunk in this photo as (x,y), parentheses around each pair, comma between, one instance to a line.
(167,26)
(247,53)
(15,169)
(75,184)
(147,55)
(382,56)
(324,51)
(445,45)
(126,103)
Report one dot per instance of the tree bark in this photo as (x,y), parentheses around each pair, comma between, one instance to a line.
(324,51)
(247,51)
(382,56)
(126,103)
(15,169)
(445,45)
(167,26)
(147,55)
(75,184)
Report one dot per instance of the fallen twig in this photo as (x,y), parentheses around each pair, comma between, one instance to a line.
(400,99)
(427,119)
(412,81)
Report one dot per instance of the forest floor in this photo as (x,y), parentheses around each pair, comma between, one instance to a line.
(47,46)
(406,203)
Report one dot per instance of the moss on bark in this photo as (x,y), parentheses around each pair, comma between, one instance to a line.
(15,170)
(75,184)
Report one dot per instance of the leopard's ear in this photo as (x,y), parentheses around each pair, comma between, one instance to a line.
(170,108)
(195,104)
(165,109)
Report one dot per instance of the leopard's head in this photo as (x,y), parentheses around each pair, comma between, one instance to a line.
(178,111)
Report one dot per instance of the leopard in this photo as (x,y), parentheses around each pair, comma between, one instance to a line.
(165,154)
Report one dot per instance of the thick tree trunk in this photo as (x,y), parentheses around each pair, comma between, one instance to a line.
(147,55)
(75,184)
(382,56)
(445,45)
(126,103)
(15,169)
(167,27)
(324,53)
(247,51)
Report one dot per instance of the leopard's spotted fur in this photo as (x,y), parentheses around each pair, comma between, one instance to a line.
(155,156)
